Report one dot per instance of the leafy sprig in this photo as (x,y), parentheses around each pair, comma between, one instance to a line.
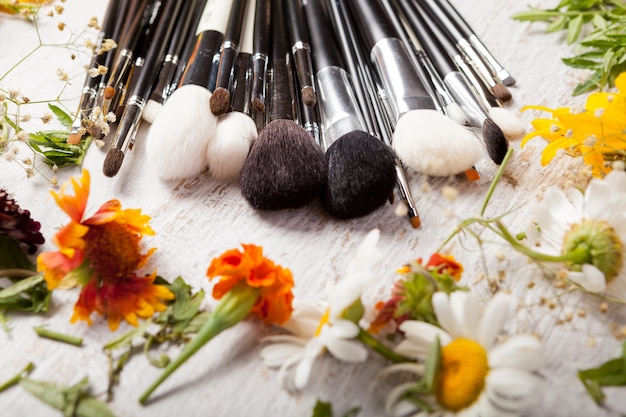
(610,373)
(597,28)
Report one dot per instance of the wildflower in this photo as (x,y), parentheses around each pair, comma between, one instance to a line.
(586,232)
(249,284)
(597,133)
(101,253)
(475,375)
(319,327)
(17,224)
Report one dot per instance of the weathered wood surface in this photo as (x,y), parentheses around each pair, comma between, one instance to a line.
(198,219)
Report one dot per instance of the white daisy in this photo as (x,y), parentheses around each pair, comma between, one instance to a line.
(477,377)
(319,327)
(586,231)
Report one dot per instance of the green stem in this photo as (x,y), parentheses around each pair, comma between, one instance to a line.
(233,308)
(59,337)
(496,180)
(17,377)
(16,273)
(379,348)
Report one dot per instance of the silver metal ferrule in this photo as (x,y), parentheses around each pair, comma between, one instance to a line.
(494,66)
(476,62)
(300,45)
(339,109)
(474,82)
(465,96)
(403,87)
(129,124)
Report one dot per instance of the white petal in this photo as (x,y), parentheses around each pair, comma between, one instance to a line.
(344,329)
(276,355)
(445,316)
(420,331)
(591,278)
(617,287)
(346,350)
(499,311)
(466,309)
(596,194)
(412,367)
(303,370)
(523,352)
(512,389)
(393,407)
(486,408)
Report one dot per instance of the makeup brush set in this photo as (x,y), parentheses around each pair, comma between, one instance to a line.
(300,99)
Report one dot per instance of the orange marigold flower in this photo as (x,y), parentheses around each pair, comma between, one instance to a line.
(274,282)
(445,264)
(102,253)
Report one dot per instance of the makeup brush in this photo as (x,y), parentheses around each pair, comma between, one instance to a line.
(301,50)
(498,89)
(235,130)
(134,28)
(423,138)
(178,137)
(361,169)
(285,167)
(220,100)
(374,119)
(90,87)
(439,49)
(142,86)
(260,53)
(182,31)
(501,73)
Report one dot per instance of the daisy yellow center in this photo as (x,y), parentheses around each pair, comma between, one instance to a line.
(604,247)
(113,251)
(462,374)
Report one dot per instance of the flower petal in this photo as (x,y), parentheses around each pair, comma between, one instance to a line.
(523,352)
(499,311)
(591,278)
(445,316)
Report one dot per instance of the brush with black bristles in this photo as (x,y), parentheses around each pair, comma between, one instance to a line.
(375,120)
(260,53)
(285,167)
(423,138)
(496,69)
(497,88)
(171,62)
(138,17)
(361,168)
(220,99)
(236,130)
(301,51)
(144,77)
(178,137)
(90,88)
(439,49)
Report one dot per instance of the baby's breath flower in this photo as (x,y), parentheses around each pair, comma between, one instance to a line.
(93,23)
(13,94)
(89,43)
(22,136)
(61,26)
(26,118)
(62,74)
(59,9)
(107,45)
(46,118)
(110,117)
(25,100)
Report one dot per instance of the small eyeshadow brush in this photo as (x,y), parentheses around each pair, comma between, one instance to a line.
(142,86)
(178,137)
(501,73)
(361,168)
(285,167)
(220,99)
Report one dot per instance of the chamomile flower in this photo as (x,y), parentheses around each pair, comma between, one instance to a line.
(477,376)
(586,231)
(319,327)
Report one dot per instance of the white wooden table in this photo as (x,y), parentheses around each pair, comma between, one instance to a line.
(200,218)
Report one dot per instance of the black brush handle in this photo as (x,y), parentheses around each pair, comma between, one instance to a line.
(281,90)
(108,58)
(240,98)
(230,45)
(261,51)
(301,47)
(373,21)
(436,46)
(456,18)
(323,42)
(200,65)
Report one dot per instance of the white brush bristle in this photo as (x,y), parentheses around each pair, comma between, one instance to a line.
(228,151)
(178,138)
(431,143)
(456,113)
(151,111)
(511,125)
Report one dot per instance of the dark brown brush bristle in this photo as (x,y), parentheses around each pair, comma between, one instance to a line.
(284,169)
(220,101)
(258,105)
(361,175)
(309,97)
(109,93)
(112,162)
(496,143)
(501,92)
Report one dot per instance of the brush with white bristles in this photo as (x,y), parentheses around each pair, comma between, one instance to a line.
(236,130)
(424,139)
(178,138)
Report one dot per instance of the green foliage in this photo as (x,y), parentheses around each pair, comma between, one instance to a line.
(610,373)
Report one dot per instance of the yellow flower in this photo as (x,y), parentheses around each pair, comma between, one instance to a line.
(102,254)
(597,133)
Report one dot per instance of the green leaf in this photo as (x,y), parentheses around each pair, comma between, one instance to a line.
(573,29)
(23,285)
(610,373)
(322,409)
(12,255)
(64,118)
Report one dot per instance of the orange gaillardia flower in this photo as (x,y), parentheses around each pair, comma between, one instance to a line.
(102,254)
(249,284)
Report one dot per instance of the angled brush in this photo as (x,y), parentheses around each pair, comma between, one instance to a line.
(260,53)
(423,138)
(236,130)
(178,137)
(285,167)
(220,100)
(361,168)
